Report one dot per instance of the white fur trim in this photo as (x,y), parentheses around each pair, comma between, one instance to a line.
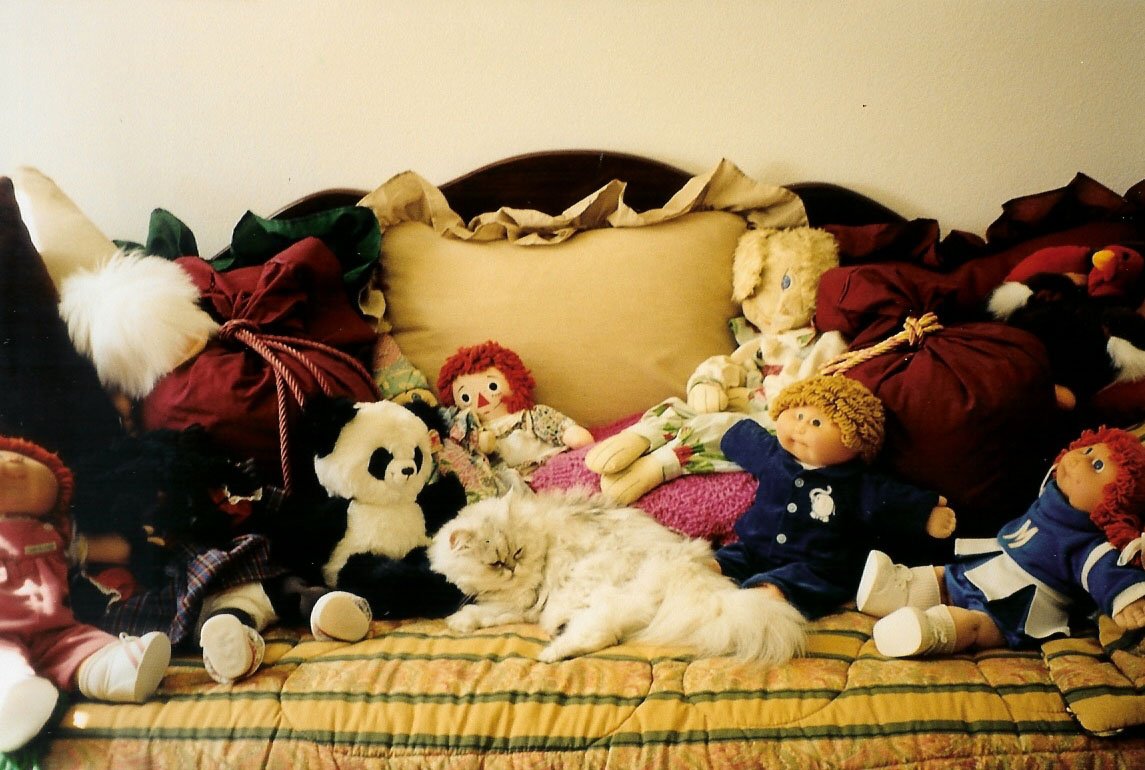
(136,317)
(1007,298)
(1129,360)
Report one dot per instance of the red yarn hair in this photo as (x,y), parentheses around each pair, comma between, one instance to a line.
(488,355)
(1119,513)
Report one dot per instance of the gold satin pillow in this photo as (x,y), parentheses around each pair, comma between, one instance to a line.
(610,321)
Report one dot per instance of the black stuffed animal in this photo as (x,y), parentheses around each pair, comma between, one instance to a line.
(368,534)
(1091,342)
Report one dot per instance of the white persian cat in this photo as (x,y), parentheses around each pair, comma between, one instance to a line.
(594,575)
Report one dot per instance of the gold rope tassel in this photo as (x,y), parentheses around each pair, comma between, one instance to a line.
(914,329)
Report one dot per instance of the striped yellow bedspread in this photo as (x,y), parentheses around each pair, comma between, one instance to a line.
(415,695)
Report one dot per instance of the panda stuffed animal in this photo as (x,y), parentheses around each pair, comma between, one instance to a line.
(366,532)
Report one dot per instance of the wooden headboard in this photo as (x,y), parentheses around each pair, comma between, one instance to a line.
(553,181)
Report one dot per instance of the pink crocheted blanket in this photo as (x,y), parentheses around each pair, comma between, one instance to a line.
(702,505)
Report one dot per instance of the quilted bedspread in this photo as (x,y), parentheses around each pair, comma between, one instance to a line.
(416,695)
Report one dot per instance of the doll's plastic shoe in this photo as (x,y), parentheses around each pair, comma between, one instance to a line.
(886,586)
(231,649)
(340,616)
(128,670)
(909,631)
(25,708)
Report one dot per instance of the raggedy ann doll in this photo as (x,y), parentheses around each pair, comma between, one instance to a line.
(1075,550)
(806,535)
(491,391)
(43,648)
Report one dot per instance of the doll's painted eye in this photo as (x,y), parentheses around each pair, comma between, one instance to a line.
(493,387)
(1098,465)
(465,398)
(816,422)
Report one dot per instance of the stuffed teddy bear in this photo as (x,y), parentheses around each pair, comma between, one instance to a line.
(1074,551)
(819,504)
(1082,306)
(775,275)
(368,535)
(43,648)
(490,391)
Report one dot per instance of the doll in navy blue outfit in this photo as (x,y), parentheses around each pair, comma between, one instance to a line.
(806,536)
(1076,550)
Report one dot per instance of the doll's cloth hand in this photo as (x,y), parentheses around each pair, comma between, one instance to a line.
(739,400)
(486,441)
(707,397)
(576,436)
(941,522)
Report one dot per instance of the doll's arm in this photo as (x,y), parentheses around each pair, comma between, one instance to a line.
(556,428)
(101,549)
(709,384)
(942,521)
(576,436)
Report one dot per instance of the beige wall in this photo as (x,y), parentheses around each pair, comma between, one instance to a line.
(211,107)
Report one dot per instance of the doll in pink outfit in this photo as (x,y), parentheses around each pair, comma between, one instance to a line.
(43,648)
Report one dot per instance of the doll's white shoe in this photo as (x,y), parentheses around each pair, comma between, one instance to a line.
(616,453)
(128,670)
(232,650)
(886,586)
(25,707)
(910,631)
(340,616)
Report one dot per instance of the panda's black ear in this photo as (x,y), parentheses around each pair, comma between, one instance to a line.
(430,415)
(323,420)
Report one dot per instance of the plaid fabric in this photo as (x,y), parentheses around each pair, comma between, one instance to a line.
(174,607)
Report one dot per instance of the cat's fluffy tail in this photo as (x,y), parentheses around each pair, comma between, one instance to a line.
(716,618)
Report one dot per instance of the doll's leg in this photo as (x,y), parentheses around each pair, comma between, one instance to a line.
(940,630)
(340,616)
(651,431)
(616,453)
(693,449)
(26,700)
(642,476)
(231,619)
(128,670)
(886,586)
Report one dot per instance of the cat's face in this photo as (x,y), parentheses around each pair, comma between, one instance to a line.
(482,552)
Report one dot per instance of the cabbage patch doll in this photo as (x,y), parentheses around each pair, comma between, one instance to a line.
(492,391)
(1075,550)
(43,648)
(806,535)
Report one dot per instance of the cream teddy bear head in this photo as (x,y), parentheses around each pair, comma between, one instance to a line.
(775,275)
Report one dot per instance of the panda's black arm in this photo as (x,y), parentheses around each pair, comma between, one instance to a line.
(441,500)
(303,533)
(400,588)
